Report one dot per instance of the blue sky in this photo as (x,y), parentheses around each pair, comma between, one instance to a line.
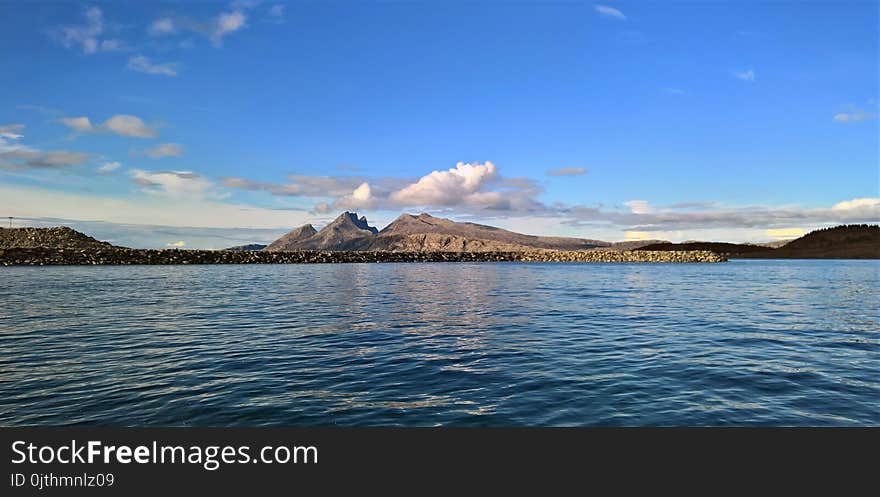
(202,124)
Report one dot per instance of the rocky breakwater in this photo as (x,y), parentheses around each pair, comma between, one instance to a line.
(42,256)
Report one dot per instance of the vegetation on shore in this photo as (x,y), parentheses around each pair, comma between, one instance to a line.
(849,241)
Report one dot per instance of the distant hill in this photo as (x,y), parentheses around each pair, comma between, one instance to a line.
(729,249)
(635,244)
(854,241)
(250,246)
(55,237)
(425,233)
(422,233)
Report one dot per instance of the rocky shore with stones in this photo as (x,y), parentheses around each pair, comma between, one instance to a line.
(42,256)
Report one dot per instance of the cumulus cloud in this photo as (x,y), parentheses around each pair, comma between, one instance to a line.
(360,198)
(143,64)
(445,188)
(109,167)
(466,187)
(120,124)
(181,184)
(164,150)
(479,190)
(747,76)
(567,171)
(610,12)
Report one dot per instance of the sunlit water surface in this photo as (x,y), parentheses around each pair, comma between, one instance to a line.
(742,343)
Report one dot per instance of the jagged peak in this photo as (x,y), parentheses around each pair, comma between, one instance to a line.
(352,218)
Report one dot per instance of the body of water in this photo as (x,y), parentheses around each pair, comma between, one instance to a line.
(749,342)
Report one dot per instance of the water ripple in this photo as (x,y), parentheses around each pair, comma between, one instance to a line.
(742,343)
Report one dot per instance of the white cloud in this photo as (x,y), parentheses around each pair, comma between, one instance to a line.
(747,76)
(81,124)
(180,184)
(84,35)
(165,150)
(610,12)
(639,206)
(113,45)
(88,36)
(567,171)
(227,22)
(854,115)
(9,131)
(857,203)
(126,125)
(360,198)
(445,188)
(469,187)
(162,26)
(143,64)
(214,29)
(120,124)
(109,167)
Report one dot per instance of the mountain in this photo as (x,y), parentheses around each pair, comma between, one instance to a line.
(407,225)
(346,232)
(244,248)
(423,233)
(853,241)
(55,237)
(292,240)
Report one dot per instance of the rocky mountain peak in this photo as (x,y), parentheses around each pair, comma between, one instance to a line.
(352,217)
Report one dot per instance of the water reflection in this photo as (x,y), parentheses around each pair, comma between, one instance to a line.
(748,342)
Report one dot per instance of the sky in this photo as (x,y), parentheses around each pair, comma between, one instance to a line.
(209,124)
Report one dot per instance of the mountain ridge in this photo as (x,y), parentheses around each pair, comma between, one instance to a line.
(424,232)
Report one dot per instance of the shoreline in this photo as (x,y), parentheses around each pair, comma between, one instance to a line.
(123,256)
